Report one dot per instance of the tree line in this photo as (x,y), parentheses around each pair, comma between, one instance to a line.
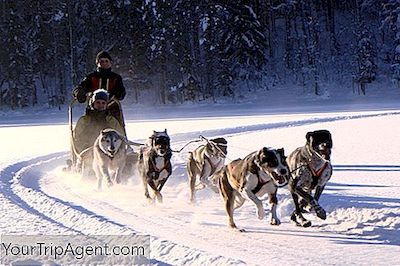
(173,51)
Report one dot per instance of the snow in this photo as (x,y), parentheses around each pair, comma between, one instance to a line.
(362,198)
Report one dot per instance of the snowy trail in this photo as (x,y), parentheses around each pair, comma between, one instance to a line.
(67,202)
(25,192)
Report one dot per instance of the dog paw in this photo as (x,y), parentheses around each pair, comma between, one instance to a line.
(275,221)
(240,230)
(321,213)
(192,201)
(233,227)
(150,201)
(159,198)
(299,220)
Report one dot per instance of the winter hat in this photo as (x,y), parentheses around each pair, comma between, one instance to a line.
(102,54)
(99,94)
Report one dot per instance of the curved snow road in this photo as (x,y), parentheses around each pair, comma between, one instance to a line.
(172,226)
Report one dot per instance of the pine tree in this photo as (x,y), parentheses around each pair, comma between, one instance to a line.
(215,69)
(365,54)
(20,39)
(390,16)
(243,41)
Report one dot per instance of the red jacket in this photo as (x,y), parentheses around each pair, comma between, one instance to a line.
(101,79)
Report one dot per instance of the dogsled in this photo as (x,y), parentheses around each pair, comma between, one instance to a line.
(82,152)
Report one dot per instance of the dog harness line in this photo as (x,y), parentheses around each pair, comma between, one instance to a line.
(216,145)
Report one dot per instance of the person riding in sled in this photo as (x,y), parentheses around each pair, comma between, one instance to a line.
(96,118)
(103,78)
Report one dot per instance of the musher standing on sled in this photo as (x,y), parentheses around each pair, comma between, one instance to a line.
(103,78)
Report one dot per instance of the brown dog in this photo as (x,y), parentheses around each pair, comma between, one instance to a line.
(311,169)
(203,162)
(259,173)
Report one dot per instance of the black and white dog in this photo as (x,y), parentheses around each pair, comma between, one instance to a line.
(259,173)
(154,163)
(311,169)
(203,162)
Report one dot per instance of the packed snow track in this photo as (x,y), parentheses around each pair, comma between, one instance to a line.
(361,199)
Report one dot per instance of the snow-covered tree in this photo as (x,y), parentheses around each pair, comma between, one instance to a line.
(391,24)
(158,45)
(365,53)
(311,46)
(243,41)
(20,38)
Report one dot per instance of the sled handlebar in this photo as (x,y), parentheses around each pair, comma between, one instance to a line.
(70,114)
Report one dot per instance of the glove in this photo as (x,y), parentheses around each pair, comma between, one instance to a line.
(79,94)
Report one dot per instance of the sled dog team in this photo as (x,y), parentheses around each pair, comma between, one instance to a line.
(306,171)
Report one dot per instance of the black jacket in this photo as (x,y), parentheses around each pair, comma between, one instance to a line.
(101,79)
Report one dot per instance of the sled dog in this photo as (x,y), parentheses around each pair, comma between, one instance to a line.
(259,173)
(109,156)
(310,171)
(203,162)
(154,163)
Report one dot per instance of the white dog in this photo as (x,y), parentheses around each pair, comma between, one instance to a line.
(109,156)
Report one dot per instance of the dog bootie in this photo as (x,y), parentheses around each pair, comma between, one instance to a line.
(299,220)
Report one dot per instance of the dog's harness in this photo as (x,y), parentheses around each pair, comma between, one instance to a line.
(319,172)
(254,169)
(156,171)
(213,167)
(316,174)
(260,184)
(207,157)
